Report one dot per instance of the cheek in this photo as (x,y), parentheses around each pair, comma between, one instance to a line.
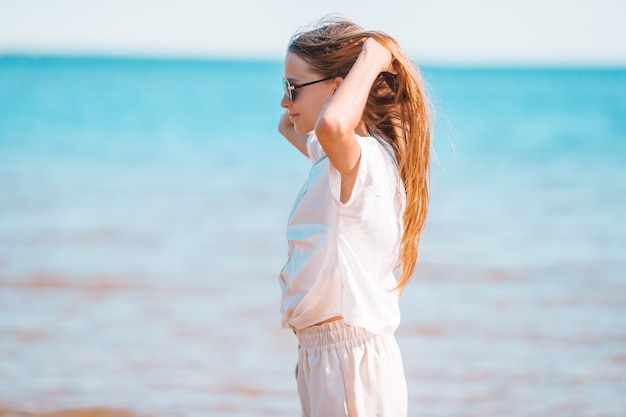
(309,111)
(318,104)
(314,108)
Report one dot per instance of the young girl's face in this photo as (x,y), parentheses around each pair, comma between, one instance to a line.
(309,100)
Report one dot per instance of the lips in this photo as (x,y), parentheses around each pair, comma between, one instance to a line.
(293,116)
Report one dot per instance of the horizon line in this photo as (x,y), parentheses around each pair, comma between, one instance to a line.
(260,58)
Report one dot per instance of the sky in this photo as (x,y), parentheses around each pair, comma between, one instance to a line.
(544,32)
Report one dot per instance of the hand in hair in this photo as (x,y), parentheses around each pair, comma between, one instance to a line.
(383,55)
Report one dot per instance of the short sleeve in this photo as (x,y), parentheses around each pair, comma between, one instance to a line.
(313,148)
(374,172)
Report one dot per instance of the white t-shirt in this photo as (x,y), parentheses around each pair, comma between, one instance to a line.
(344,257)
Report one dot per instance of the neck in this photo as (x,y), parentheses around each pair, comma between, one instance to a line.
(361,129)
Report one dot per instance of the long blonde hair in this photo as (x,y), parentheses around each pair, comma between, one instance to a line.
(396,112)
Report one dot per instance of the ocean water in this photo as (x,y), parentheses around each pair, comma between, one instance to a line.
(143,206)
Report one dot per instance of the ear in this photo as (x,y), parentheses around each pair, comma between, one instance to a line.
(337,81)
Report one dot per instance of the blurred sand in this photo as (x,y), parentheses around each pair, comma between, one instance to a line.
(475,342)
(85,412)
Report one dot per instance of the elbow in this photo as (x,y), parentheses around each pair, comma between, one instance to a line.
(283,130)
(328,128)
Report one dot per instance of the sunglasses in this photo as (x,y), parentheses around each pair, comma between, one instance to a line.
(290,90)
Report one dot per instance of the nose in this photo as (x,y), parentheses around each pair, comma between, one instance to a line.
(284,103)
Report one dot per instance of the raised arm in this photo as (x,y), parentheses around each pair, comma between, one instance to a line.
(341,117)
(286,128)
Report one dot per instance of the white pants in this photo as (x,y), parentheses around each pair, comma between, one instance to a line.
(348,371)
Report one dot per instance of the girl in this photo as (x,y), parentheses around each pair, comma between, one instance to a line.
(355,106)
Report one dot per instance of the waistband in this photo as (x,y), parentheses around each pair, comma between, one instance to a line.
(334,335)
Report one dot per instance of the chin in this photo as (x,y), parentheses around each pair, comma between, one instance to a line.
(302,131)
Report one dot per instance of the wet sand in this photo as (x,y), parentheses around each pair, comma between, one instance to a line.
(487,343)
(84,412)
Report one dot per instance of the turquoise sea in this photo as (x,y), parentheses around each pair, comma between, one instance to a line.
(143,208)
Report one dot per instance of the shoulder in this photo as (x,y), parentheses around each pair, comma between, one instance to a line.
(377,153)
